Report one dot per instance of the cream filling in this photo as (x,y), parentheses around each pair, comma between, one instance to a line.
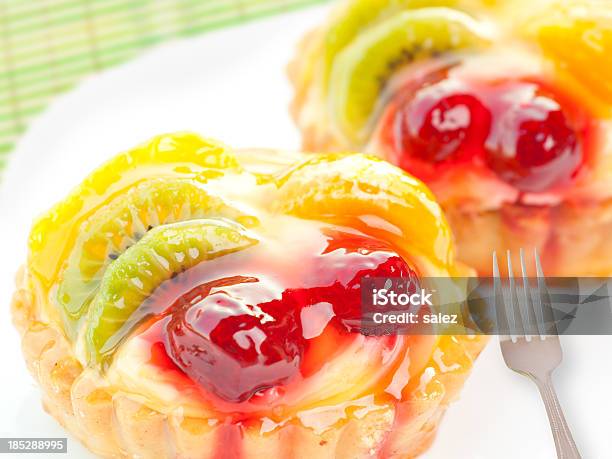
(344,386)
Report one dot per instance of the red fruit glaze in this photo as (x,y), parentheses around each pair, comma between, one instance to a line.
(244,332)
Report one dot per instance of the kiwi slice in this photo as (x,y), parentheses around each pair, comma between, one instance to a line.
(362,69)
(357,15)
(120,224)
(168,155)
(161,254)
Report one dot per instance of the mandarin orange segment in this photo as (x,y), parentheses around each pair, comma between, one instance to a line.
(350,186)
(577,37)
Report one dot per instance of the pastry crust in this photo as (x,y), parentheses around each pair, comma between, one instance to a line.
(573,240)
(116,424)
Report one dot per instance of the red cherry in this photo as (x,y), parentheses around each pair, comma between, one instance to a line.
(442,122)
(240,335)
(232,346)
(536,148)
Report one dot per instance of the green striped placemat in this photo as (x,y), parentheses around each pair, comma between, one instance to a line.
(46,46)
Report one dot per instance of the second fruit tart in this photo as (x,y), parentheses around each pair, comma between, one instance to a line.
(503,108)
(188,301)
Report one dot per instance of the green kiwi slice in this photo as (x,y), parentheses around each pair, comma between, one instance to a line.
(359,14)
(158,256)
(362,69)
(120,224)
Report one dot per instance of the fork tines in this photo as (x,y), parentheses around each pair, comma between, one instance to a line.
(526,313)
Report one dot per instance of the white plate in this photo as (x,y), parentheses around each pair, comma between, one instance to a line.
(231,85)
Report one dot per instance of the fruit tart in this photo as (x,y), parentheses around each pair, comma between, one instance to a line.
(188,301)
(503,108)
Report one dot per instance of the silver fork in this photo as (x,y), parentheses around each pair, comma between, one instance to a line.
(530,343)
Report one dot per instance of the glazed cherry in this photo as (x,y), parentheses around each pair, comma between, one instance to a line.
(521,130)
(231,347)
(442,122)
(536,148)
(236,336)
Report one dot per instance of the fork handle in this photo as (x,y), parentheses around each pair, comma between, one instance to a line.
(566,448)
